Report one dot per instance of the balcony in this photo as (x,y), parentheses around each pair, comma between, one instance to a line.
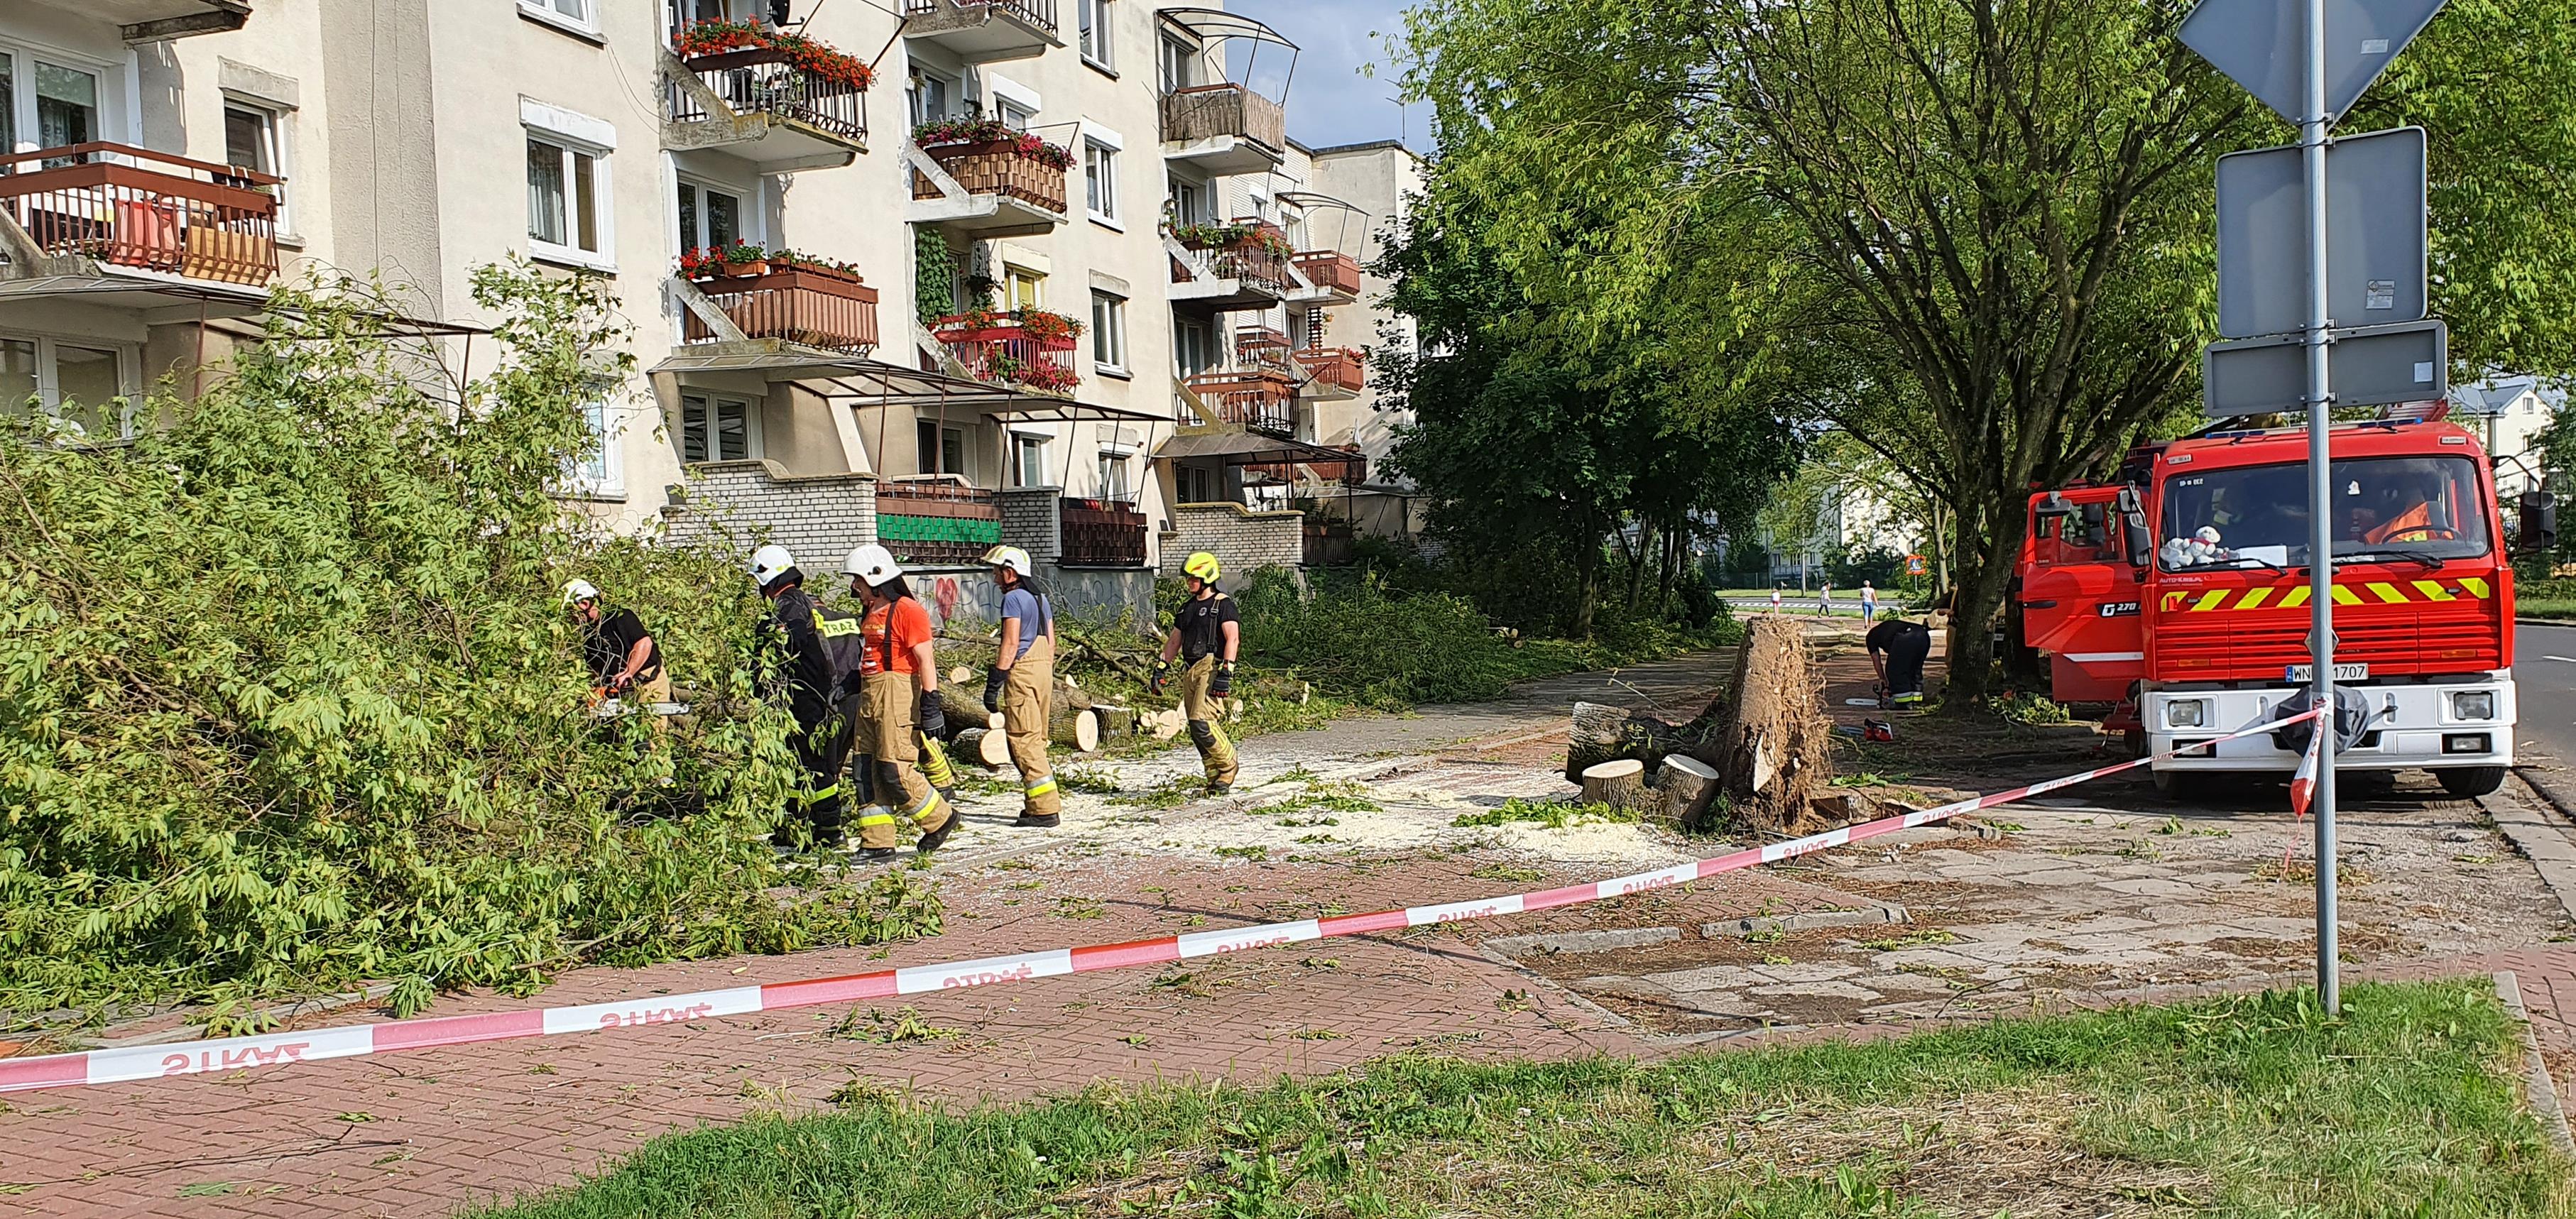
(780,101)
(1031,349)
(142,21)
(1262,399)
(984,31)
(1102,533)
(1263,345)
(1223,129)
(1335,277)
(143,211)
(985,181)
(1333,374)
(1229,266)
(793,302)
(937,520)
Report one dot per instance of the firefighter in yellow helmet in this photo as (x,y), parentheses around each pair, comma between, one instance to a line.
(1024,670)
(1206,634)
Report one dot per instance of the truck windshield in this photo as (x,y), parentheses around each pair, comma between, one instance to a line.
(2425,507)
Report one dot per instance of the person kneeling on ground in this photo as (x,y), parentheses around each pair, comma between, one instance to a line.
(1024,669)
(623,656)
(1897,648)
(899,705)
(1206,636)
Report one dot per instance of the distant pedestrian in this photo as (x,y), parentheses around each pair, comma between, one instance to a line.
(1776,586)
(1825,598)
(1868,602)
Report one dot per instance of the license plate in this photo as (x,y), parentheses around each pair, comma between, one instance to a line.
(2303,674)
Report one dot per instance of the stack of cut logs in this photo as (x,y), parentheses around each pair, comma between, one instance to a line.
(1073,718)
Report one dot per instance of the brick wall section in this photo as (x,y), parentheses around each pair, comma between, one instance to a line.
(817,517)
(1031,521)
(1242,540)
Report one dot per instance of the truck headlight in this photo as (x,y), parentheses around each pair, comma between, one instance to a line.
(2186,713)
(2473,705)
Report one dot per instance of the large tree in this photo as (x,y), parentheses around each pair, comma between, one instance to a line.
(1975,231)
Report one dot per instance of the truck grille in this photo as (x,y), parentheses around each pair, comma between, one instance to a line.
(2258,646)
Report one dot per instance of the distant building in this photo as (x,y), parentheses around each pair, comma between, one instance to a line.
(2508,414)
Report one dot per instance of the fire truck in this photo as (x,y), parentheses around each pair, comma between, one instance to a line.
(2179,592)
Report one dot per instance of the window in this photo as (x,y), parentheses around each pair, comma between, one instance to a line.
(1189,201)
(75,383)
(708,217)
(1193,349)
(1198,485)
(1026,288)
(602,469)
(577,14)
(2423,505)
(1093,18)
(936,451)
(1109,332)
(1179,64)
(1113,475)
(928,96)
(54,104)
(717,429)
(255,139)
(1014,115)
(1100,179)
(567,208)
(1028,460)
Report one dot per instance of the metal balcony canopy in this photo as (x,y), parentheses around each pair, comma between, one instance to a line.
(1310,201)
(874,383)
(1246,448)
(1217,25)
(142,21)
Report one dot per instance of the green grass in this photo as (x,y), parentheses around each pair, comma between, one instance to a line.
(1553,814)
(2564,611)
(2245,1107)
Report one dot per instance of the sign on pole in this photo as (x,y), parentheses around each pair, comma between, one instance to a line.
(2375,235)
(2261,44)
(2366,366)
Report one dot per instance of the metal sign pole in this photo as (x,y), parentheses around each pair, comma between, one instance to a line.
(2314,121)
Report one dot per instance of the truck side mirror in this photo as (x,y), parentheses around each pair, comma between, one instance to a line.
(2539,522)
(2135,540)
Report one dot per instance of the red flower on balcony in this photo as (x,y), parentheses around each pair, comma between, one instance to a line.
(947,132)
(1036,374)
(1049,330)
(716,36)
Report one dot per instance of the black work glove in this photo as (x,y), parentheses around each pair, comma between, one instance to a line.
(993,679)
(933,717)
(1221,682)
(1162,673)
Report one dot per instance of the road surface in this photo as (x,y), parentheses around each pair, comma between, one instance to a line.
(2545,678)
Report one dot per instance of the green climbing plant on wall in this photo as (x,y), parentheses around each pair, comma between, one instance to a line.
(934,275)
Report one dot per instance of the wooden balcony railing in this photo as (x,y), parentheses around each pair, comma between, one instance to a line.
(1039,13)
(1206,112)
(812,306)
(937,521)
(1102,533)
(1258,398)
(995,167)
(1339,367)
(760,80)
(1329,270)
(131,208)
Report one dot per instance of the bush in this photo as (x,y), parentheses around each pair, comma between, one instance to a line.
(287,702)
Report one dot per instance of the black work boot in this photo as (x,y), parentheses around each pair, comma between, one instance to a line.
(931,839)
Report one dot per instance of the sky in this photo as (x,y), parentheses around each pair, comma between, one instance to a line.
(1329,102)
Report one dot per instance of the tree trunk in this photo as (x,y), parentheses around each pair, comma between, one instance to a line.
(1620,783)
(1603,733)
(986,747)
(1984,572)
(965,710)
(1687,787)
(1115,722)
(1772,745)
(1587,575)
(1074,726)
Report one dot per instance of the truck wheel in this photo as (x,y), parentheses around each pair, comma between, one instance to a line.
(2187,786)
(2470,782)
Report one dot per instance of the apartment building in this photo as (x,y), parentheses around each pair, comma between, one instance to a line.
(935,273)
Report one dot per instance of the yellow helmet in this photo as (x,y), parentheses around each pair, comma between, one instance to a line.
(1203,565)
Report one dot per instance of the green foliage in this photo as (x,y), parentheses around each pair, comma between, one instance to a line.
(934,275)
(1553,814)
(288,701)
(2031,709)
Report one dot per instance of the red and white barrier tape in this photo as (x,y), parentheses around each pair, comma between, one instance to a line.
(274,1049)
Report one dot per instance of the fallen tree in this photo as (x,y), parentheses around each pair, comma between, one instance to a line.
(1772,746)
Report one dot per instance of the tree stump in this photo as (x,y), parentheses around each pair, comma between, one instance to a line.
(1687,787)
(1772,745)
(1602,733)
(987,747)
(1619,783)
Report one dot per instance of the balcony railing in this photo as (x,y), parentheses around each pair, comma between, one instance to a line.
(937,521)
(1031,352)
(1207,112)
(761,80)
(1039,13)
(1258,398)
(1341,368)
(995,167)
(131,208)
(812,306)
(1253,259)
(1329,270)
(1102,533)
(1260,344)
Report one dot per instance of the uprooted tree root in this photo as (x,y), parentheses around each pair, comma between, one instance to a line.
(1772,744)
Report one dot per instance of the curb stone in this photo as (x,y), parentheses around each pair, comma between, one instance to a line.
(2543,1092)
(2535,837)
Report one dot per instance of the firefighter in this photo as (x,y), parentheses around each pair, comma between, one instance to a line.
(899,701)
(623,656)
(1024,669)
(1897,648)
(822,740)
(1206,636)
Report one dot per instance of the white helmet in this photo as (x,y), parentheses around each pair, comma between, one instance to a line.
(770,562)
(579,591)
(872,564)
(1011,557)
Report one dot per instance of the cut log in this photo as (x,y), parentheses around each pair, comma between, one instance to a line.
(1162,725)
(964,708)
(1687,787)
(1619,783)
(1066,694)
(1074,726)
(1602,733)
(986,747)
(1772,747)
(1116,723)
(961,675)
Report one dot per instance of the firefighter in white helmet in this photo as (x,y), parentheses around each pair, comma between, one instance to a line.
(623,656)
(1024,670)
(1206,634)
(899,700)
(822,741)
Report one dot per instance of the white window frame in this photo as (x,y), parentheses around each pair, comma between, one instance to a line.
(1116,457)
(49,385)
(113,123)
(1023,446)
(747,214)
(952,88)
(1109,327)
(1105,145)
(577,134)
(1100,18)
(545,12)
(1015,104)
(751,439)
(608,436)
(1013,275)
(281,152)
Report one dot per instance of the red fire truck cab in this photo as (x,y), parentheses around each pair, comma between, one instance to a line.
(2181,592)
